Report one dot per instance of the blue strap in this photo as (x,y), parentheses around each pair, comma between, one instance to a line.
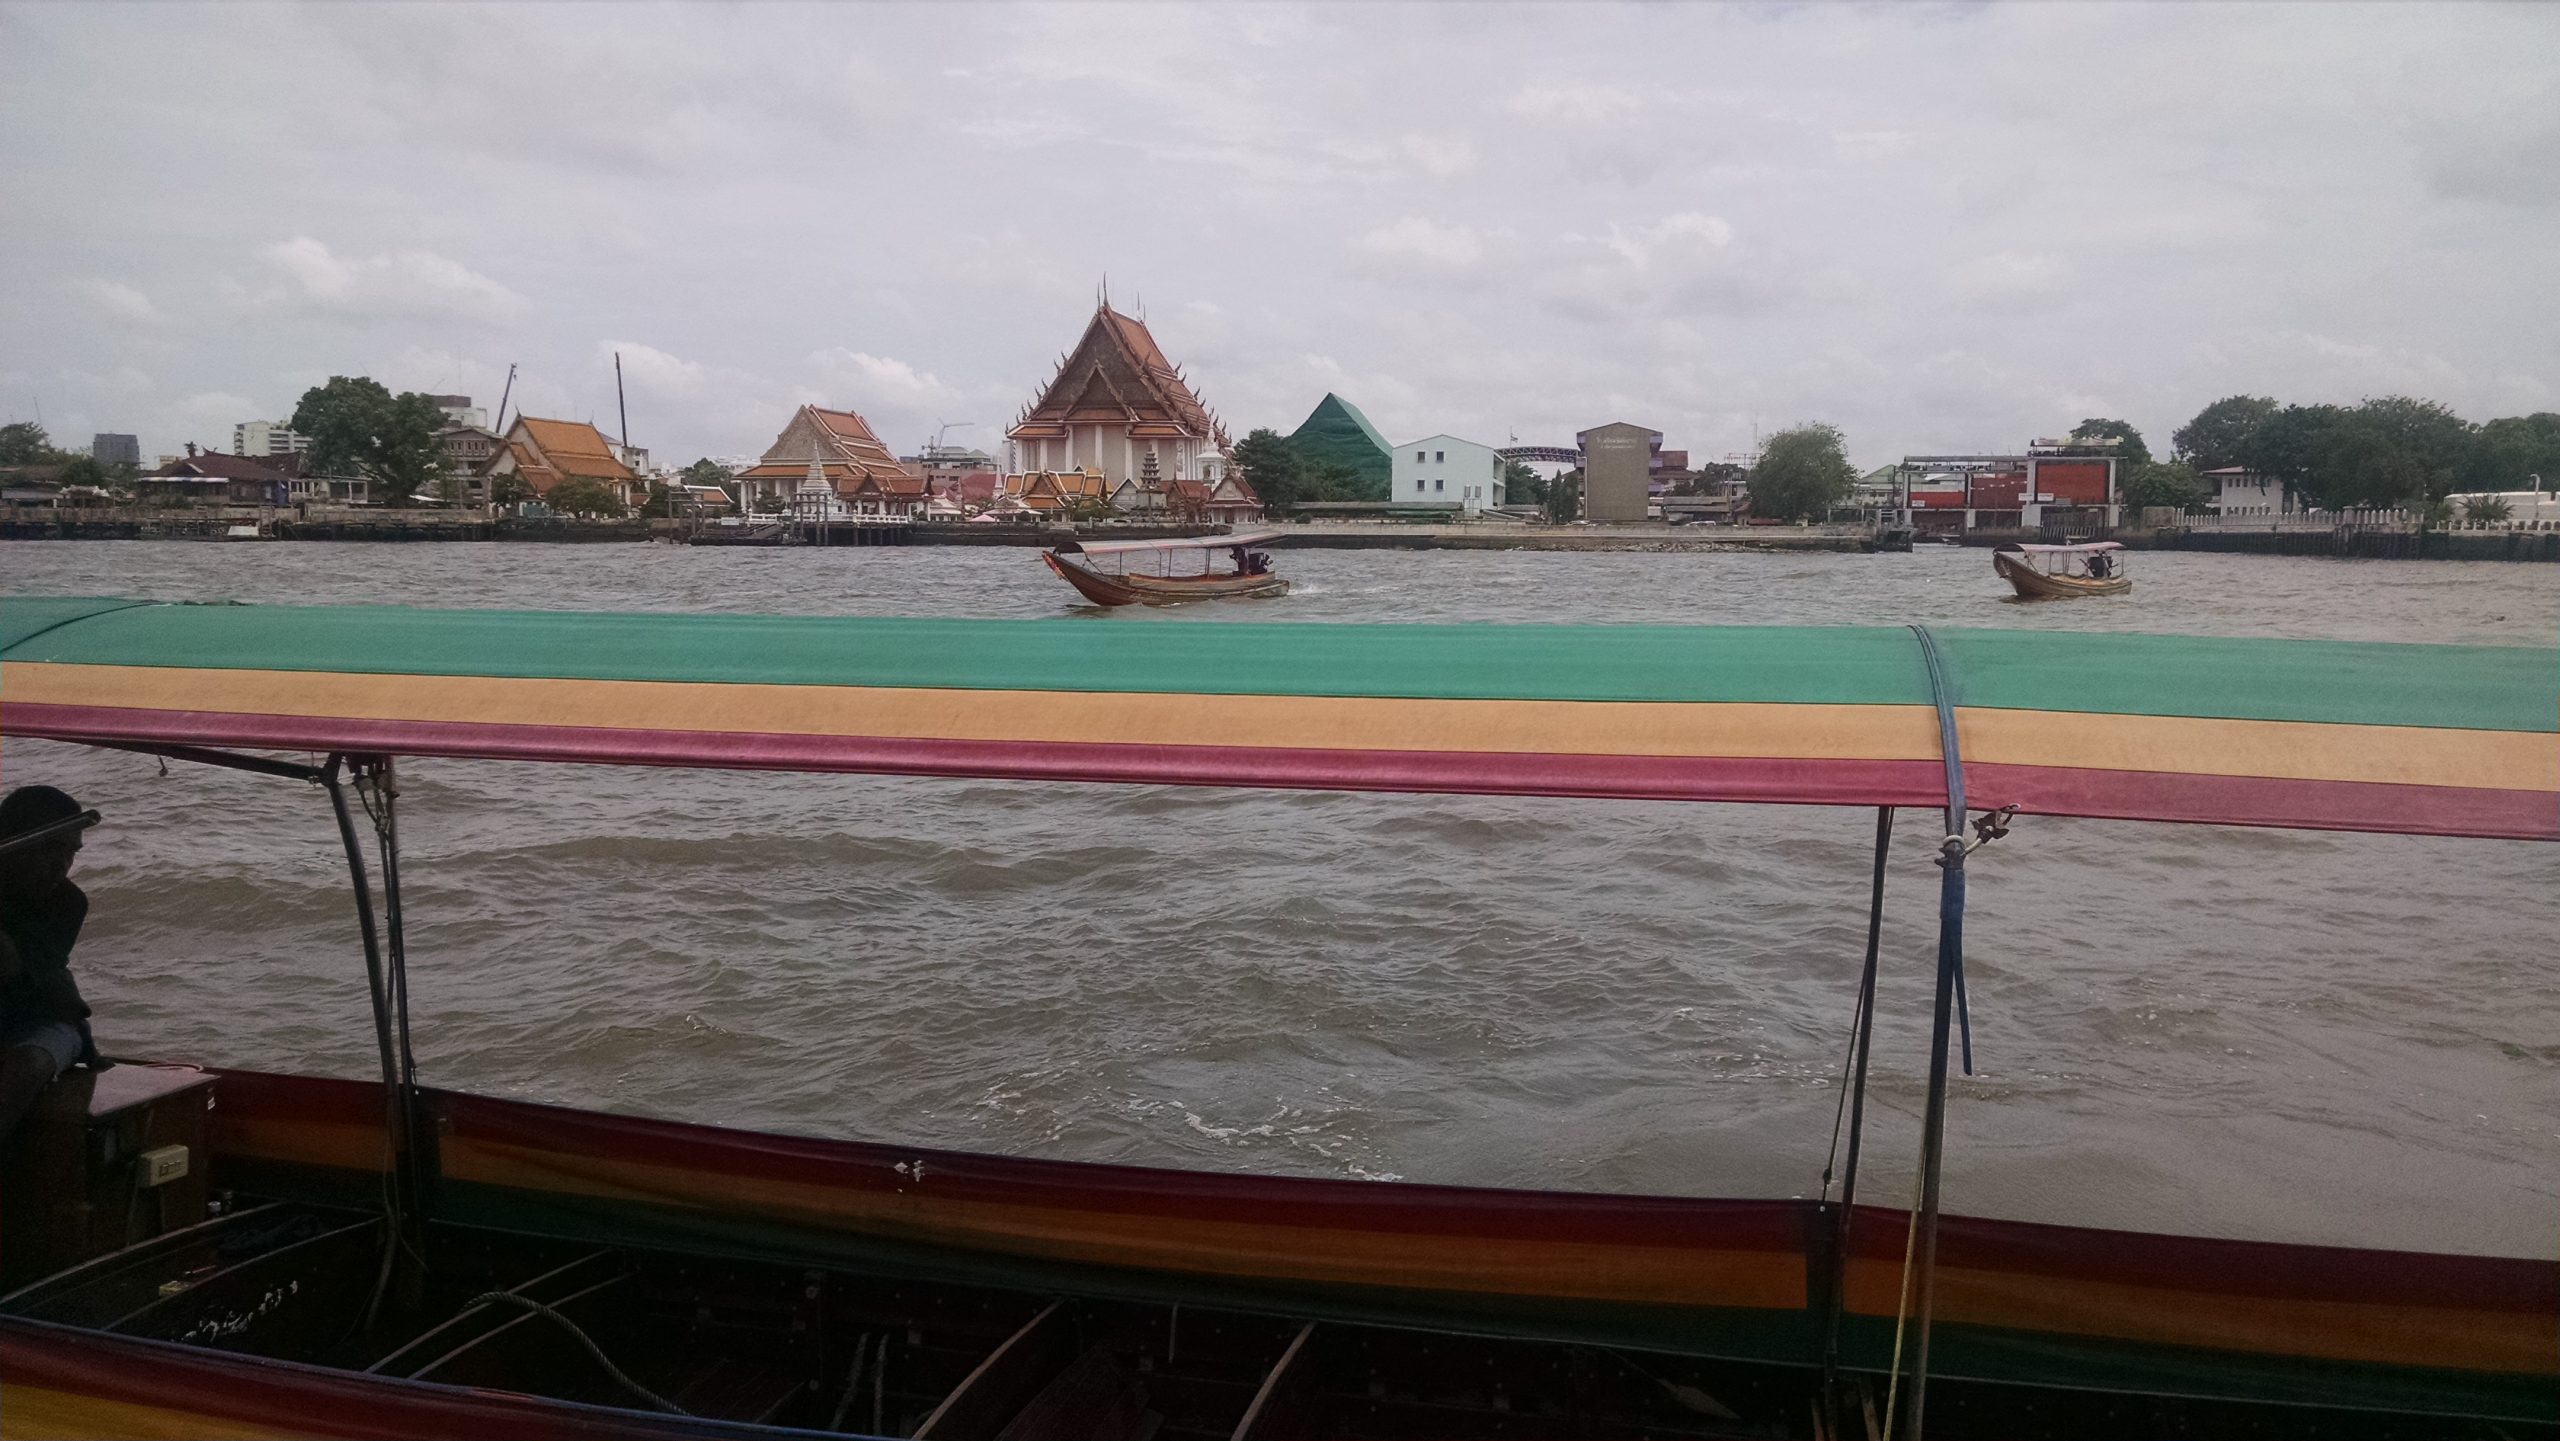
(1951,889)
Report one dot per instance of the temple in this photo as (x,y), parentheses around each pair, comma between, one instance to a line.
(1115,401)
(831,450)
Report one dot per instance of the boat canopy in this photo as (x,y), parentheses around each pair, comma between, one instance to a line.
(2420,739)
(2090,549)
(1179,542)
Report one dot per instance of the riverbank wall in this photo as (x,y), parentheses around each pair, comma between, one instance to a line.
(2358,544)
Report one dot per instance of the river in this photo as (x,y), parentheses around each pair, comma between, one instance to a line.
(2295,1036)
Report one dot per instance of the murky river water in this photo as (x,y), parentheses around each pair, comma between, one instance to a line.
(2311,1037)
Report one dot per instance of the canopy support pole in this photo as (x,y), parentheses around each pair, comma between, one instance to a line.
(1941,1020)
(1862,1036)
(390,1021)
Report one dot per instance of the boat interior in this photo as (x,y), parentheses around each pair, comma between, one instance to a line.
(761,1343)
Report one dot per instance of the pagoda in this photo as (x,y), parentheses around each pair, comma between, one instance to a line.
(1115,401)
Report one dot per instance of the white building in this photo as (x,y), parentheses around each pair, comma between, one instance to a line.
(1445,470)
(267,437)
(2236,488)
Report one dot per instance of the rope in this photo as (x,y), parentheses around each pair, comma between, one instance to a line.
(528,1304)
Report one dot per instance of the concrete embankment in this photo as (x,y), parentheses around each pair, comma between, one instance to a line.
(1644,538)
(2349,543)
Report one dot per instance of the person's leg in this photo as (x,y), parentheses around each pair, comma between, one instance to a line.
(24,1073)
(30,1058)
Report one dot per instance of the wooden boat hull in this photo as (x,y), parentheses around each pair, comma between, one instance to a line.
(2018,1304)
(2033,584)
(1104,589)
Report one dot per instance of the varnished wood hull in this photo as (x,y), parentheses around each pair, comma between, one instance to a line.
(2033,584)
(1103,589)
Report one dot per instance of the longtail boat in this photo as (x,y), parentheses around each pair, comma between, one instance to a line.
(2056,572)
(1101,570)
(387,1258)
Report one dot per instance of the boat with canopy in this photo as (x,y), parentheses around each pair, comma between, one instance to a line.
(1168,571)
(401,1259)
(2056,572)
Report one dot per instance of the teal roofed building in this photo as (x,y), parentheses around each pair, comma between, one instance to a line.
(1335,431)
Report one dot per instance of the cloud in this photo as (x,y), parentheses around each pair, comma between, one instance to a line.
(405,284)
(1442,155)
(1428,242)
(121,301)
(859,376)
(1584,104)
(2010,281)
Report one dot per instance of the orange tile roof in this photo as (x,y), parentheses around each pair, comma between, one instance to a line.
(1117,374)
(569,447)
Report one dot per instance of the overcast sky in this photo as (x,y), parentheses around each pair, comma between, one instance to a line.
(1939,228)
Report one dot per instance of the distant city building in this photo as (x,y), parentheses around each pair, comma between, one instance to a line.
(267,437)
(1617,471)
(546,452)
(967,475)
(468,451)
(109,448)
(458,410)
(1966,492)
(1115,400)
(1336,433)
(840,444)
(1446,470)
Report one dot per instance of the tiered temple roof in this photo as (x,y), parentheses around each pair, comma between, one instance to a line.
(847,451)
(1118,376)
(547,452)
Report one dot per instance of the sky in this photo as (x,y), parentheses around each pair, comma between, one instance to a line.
(1940,228)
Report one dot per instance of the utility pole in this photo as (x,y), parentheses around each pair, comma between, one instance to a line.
(619,404)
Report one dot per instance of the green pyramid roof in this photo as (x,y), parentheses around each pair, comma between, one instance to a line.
(1336,431)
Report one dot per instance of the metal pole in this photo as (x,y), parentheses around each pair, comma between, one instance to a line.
(1859,1047)
(1933,1123)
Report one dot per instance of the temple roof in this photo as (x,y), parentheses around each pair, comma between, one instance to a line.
(1118,375)
(568,448)
(843,438)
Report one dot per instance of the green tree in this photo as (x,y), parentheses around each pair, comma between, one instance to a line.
(1564,497)
(2485,508)
(2391,451)
(707,471)
(1330,480)
(2215,438)
(1803,472)
(2511,451)
(357,427)
(23,442)
(2281,445)
(510,489)
(1270,465)
(660,503)
(2173,483)
(83,470)
(1522,485)
(580,496)
(2129,447)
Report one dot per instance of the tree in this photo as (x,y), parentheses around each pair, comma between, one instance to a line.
(510,489)
(357,427)
(2216,437)
(2171,484)
(1521,485)
(1803,472)
(580,496)
(1564,497)
(707,471)
(661,501)
(23,442)
(2484,508)
(2129,447)
(82,470)
(2510,452)
(1270,465)
(1329,480)
(2392,451)
(2281,445)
